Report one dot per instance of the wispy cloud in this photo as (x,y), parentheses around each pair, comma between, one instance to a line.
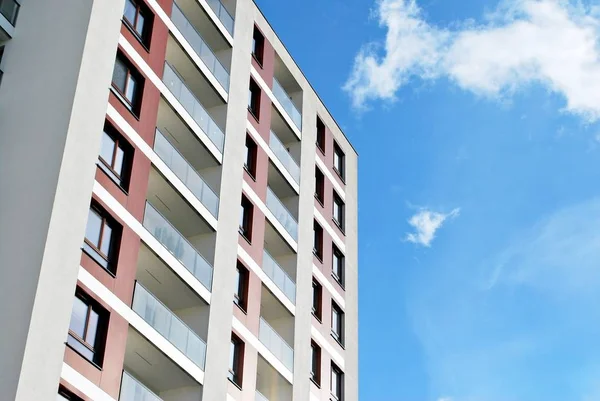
(426,222)
(548,42)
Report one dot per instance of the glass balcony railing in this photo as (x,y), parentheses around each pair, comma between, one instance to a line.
(279,276)
(193,106)
(284,157)
(223,14)
(186,173)
(195,40)
(260,397)
(277,345)
(176,243)
(282,214)
(289,107)
(10,9)
(133,390)
(157,315)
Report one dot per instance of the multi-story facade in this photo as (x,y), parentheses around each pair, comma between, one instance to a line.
(178,209)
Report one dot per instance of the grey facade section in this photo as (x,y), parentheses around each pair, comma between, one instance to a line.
(54,95)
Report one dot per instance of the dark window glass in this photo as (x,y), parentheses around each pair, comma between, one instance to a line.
(115,156)
(337,323)
(258,45)
(319,185)
(317,291)
(251,153)
(241,286)
(101,238)
(64,394)
(318,241)
(254,99)
(315,368)
(337,380)
(236,352)
(246,210)
(338,210)
(338,160)
(127,82)
(338,265)
(87,328)
(320,135)
(139,19)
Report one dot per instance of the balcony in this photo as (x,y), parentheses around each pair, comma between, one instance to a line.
(133,390)
(191,34)
(281,279)
(178,245)
(177,86)
(286,102)
(10,10)
(270,384)
(157,315)
(224,15)
(186,173)
(276,344)
(282,214)
(260,397)
(284,156)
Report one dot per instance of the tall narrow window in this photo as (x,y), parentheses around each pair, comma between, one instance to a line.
(254,99)
(128,83)
(338,160)
(102,235)
(115,156)
(319,186)
(317,294)
(236,360)
(251,154)
(320,135)
(318,241)
(258,45)
(138,19)
(337,323)
(240,297)
(246,211)
(338,265)
(315,367)
(338,211)
(87,330)
(337,383)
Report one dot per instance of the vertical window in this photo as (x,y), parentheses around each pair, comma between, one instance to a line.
(318,241)
(128,83)
(337,323)
(337,382)
(254,99)
(241,287)
(236,360)
(338,265)
(317,293)
(115,156)
(338,211)
(319,186)
(338,160)
(315,367)
(87,330)
(251,154)
(258,45)
(138,19)
(101,238)
(320,135)
(246,210)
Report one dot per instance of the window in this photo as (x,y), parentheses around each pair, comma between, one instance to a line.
(128,83)
(318,241)
(251,153)
(338,160)
(337,323)
(246,211)
(338,266)
(317,292)
(254,99)
(319,186)
(138,19)
(66,395)
(115,156)
(320,135)
(315,367)
(337,382)
(338,211)
(101,238)
(240,297)
(236,360)
(258,45)
(87,330)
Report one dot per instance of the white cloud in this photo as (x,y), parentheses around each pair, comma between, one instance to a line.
(426,223)
(548,42)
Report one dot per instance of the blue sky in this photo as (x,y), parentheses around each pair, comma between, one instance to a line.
(477,127)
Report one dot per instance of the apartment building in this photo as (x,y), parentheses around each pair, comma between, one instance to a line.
(178,209)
